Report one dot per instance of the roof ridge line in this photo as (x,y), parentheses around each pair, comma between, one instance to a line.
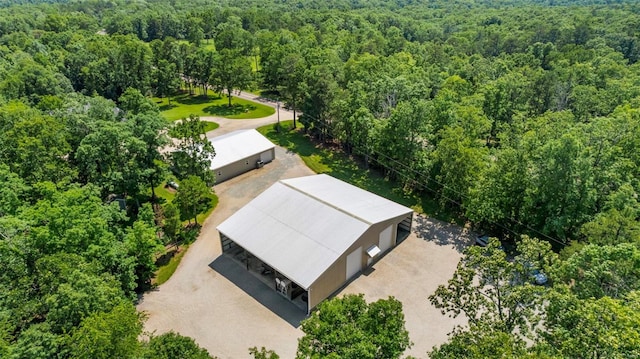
(326,203)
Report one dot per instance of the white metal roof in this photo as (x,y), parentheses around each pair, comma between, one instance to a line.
(353,200)
(238,145)
(298,234)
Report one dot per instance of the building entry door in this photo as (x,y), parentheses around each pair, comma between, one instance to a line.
(354,262)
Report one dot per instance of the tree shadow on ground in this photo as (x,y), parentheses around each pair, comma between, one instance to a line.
(195,100)
(165,258)
(186,99)
(442,233)
(292,140)
(167,107)
(226,110)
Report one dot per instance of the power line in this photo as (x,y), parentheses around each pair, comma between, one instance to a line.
(462,195)
(419,174)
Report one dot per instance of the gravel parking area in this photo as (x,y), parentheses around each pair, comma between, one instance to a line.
(226,312)
(411,272)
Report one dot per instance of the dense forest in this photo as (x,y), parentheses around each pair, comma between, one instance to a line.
(520,116)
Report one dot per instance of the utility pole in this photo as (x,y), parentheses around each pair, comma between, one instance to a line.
(278,111)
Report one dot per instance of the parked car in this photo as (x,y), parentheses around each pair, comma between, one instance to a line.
(482,240)
(539,277)
(173,185)
(536,275)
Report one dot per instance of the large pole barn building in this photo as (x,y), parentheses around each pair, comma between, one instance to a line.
(308,236)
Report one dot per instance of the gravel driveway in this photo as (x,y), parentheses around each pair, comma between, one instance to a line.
(204,302)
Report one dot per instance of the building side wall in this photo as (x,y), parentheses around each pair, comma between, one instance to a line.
(334,278)
(237,168)
(269,155)
(330,281)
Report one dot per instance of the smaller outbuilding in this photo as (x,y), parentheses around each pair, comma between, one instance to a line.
(307,237)
(239,152)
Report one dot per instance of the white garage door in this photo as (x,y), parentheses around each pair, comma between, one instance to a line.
(266,156)
(386,238)
(354,263)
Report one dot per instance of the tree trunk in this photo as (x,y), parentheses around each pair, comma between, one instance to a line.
(195,215)
(153,191)
(229,91)
(294,115)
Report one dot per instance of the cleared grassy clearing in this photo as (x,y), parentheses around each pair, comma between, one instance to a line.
(164,192)
(184,105)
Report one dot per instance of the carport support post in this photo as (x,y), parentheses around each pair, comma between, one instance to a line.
(246,258)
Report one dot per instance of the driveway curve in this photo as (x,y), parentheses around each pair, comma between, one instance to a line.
(228,125)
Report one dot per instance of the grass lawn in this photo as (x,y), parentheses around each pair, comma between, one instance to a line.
(170,260)
(184,105)
(165,193)
(168,267)
(210,126)
(350,170)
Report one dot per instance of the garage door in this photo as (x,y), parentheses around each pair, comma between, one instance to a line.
(266,156)
(386,238)
(354,263)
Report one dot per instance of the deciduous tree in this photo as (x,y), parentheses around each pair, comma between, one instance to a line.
(143,245)
(598,270)
(479,343)
(172,345)
(172,223)
(194,196)
(349,327)
(194,153)
(492,292)
(263,353)
(232,72)
(106,335)
(592,328)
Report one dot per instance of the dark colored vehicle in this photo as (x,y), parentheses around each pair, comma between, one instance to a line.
(482,240)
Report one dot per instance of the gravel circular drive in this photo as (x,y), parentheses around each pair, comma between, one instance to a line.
(227,312)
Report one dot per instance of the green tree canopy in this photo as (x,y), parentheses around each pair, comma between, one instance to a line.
(194,153)
(193,197)
(602,271)
(492,292)
(111,334)
(349,327)
(172,345)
